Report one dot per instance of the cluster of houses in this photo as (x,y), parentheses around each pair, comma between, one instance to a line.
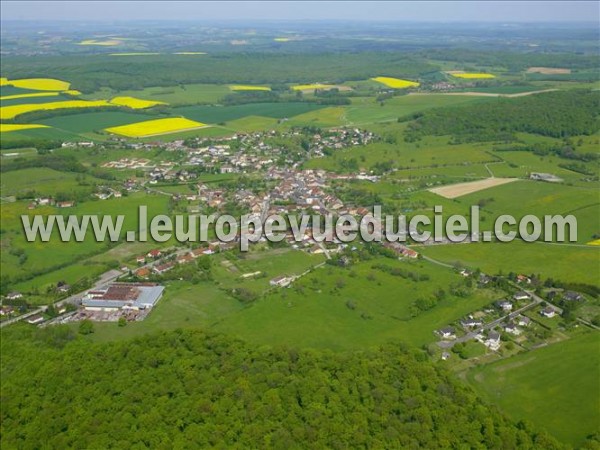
(49,201)
(338,139)
(512,323)
(129,163)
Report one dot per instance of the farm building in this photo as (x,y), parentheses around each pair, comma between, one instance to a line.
(117,296)
(281,281)
(548,312)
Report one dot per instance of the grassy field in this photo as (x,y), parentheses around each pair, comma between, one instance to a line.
(573,263)
(48,97)
(432,152)
(183,306)
(541,199)
(314,312)
(48,256)
(189,94)
(39,134)
(44,181)
(217,114)
(95,121)
(325,118)
(366,110)
(555,388)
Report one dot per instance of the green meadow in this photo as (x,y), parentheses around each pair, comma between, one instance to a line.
(188,94)
(353,308)
(218,114)
(45,182)
(556,387)
(94,121)
(43,257)
(578,264)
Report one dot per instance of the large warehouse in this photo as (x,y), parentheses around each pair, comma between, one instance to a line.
(116,296)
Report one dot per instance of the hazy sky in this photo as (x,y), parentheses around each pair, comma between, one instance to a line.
(489,11)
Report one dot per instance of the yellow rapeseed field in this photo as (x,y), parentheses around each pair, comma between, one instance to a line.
(6,127)
(106,43)
(40,84)
(34,94)
(596,242)
(395,83)
(135,103)
(12,111)
(134,54)
(156,127)
(3,81)
(281,39)
(243,87)
(470,76)
(307,87)
(72,92)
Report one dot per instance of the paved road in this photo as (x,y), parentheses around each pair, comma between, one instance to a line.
(536,300)
(74,299)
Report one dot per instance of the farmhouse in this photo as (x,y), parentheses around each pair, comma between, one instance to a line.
(117,296)
(505,305)
(548,312)
(281,281)
(521,295)
(572,296)
(447,333)
(523,321)
(548,177)
(6,310)
(162,268)
(35,319)
(493,340)
(14,296)
(154,254)
(511,328)
(471,323)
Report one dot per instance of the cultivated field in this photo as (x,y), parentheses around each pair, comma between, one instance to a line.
(395,83)
(548,70)
(7,127)
(245,87)
(460,189)
(471,76)
(156,127)
(10,112)
(135,103)
(39,84)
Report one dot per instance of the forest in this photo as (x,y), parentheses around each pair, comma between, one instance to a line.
(191,389)
(557,114)
(91,72)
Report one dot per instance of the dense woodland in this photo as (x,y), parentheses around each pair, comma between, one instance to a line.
(557,114)
(188,389)
(89,73)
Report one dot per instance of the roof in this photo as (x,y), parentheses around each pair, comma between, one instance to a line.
(493,335)
(145,296)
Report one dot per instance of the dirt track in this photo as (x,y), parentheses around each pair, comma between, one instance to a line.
(460,189)
(548,70)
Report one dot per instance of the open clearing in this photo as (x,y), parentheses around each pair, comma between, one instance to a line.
(548,70)
(542,385)
(460,189)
